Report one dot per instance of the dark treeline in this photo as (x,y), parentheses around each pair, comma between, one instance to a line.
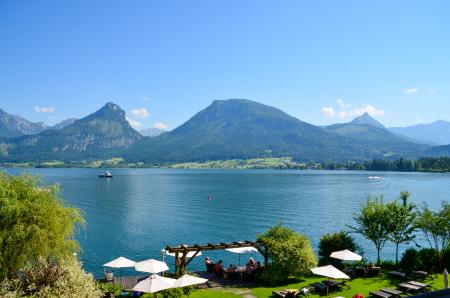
(424,164)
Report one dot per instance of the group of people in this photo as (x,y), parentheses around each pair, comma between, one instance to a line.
(247,272)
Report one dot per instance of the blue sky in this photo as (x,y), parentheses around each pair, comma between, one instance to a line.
(162,61)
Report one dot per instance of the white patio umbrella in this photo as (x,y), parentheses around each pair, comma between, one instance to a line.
(345,255)
(330,272)
(445,279)
(151,266)
(120,262)
(241,251)
(189,280)
(155,283)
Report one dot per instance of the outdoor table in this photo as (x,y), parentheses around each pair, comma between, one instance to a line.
(397,273)
(409,287)
(419,273)
(416,283)
(392,291)
(380,294)
(330,282)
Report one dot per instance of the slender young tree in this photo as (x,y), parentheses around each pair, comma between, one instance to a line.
(401,224)
(436,227)
(372,222)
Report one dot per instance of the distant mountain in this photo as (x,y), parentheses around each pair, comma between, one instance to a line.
(366,119)
(433,133)
(227,129)
(101,134)
(152,132)
(367,131)
(239,128)
(437,151)
(63,123)
(14,125)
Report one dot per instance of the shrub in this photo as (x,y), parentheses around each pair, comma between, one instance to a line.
(290,253)
(410,259)
(109,289)
(48,278)
(428,259)
(334,242)
(172,293)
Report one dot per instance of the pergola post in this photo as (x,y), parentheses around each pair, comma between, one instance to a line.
(183,263)
(177,263)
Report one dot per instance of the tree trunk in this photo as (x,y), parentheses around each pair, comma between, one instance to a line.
(396,253)
(378,257)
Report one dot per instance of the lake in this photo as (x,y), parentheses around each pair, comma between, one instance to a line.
(140,211)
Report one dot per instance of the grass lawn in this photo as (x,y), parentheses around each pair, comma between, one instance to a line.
(355,286)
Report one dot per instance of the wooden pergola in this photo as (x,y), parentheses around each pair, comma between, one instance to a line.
(181,259)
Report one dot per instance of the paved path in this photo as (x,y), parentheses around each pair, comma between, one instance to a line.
(244,292)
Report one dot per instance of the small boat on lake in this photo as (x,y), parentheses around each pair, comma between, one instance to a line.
(106,174)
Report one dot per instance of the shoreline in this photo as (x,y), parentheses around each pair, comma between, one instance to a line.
(422,165)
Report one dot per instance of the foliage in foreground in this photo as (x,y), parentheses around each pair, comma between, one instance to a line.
(290,253)
(48,278)
(34,222)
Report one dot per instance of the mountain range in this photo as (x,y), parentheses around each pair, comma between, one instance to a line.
(14,125)
(227,129)
(436,133)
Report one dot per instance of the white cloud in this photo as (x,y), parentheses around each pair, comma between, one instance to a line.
(142,112)
(160,125)
(432,91)
(328,111)
(344,110)
(369,109)
(145,98)
(39,109)
(411,91)
(342,104)
(134,123)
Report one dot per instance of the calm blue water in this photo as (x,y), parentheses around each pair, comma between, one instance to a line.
(140,211)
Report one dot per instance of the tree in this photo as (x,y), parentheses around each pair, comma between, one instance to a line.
(372,222)
(401,228)
(290,253)
(334,242)
(404,196)
(34,222)
(436,227)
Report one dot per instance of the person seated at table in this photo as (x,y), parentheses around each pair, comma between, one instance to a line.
(219,269)
(232,268)
(251,262)
(209,265)
(258,268)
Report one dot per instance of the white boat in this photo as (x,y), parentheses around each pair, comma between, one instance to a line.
(106,174)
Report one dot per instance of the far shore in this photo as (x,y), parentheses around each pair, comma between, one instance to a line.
(275,163)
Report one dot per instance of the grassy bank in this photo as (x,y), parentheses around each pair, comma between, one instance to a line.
(355,286)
